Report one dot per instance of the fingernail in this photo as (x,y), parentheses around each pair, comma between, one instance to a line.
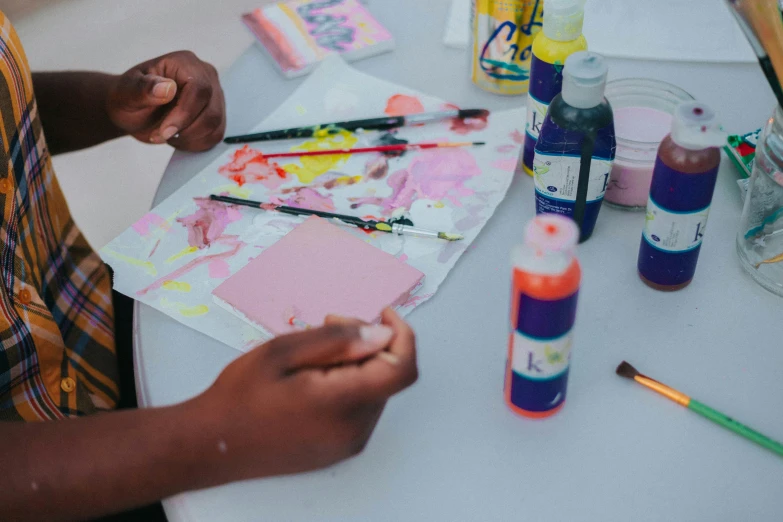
(376,335)
(167,133)
(162,89)
(389,358)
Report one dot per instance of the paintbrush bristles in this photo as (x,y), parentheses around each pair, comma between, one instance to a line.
(627,371)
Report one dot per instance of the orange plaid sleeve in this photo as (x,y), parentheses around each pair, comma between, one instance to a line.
(57,352)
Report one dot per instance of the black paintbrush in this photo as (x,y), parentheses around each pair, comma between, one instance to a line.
(383,123)
(381,226)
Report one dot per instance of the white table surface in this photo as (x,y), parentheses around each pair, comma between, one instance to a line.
(448,448)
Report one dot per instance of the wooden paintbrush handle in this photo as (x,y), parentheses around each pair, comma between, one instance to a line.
(765,19)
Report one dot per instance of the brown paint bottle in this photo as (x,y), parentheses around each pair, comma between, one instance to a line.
(683,183)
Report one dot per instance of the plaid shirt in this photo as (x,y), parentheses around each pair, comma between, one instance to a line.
(57,355)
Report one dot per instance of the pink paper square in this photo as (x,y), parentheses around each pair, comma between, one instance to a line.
(315,270)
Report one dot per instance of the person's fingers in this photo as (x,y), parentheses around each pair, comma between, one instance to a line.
(381,376)
(338,319)
(136,90)
(327,346)
(206,130)
(194,97)
(404,344)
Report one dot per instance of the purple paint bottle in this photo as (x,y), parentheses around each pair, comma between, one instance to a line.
(683,182)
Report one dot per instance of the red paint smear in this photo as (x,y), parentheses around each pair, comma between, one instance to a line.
(518,137)
(465,126)
(401,105)
(154,249)
(250,166)
(232,241)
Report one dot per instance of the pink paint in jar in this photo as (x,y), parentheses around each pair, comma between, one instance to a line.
(643,111)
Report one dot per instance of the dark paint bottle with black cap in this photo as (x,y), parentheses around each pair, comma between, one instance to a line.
(576,146)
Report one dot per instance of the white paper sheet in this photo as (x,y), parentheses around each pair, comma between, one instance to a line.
(673,30)
(178,253)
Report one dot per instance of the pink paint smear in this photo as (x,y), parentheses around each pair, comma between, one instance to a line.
(149,222)
(208,222)
(433,175)
(232,241)
(310,199)
(219,269)
(507,164)
(250,166)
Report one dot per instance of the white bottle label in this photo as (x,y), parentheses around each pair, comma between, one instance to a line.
(536,112)
(536,359)
(674,231)
(557,177)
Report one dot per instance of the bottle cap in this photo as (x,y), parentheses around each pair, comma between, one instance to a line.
(563,19)
(695,126)
(584,79)
(552,233)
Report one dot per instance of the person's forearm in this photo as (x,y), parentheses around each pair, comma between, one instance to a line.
(89,467)
(73,111)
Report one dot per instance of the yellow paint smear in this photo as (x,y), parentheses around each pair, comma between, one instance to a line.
(301,109)
(176,286)
(310,167)
(347,180)
(146,265)
(439,204)
(383,227)
(185,252)
(185,310)
(244,192)
(194,311)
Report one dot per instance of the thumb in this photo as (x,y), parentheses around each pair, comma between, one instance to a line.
(328,346)
(141,91)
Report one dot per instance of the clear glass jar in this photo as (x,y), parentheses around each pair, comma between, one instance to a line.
(643,110)
(760,238)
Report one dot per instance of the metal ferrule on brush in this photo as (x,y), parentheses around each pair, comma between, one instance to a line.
(664,390)
(412,119)
(400,229)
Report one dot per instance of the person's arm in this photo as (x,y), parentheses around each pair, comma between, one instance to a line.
(292,405)
(73,111)
(83,468)
(173,95)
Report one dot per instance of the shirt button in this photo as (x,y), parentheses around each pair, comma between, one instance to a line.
(68,385)
(25,297)
(5,186)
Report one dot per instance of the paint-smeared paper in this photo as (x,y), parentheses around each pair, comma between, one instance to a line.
(298,34)
(176,255)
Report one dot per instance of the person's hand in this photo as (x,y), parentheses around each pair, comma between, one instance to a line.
(310,399)
(175,98)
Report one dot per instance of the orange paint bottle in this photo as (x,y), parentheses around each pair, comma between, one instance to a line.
(545,288)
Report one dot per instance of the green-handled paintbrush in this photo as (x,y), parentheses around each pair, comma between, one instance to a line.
(629,372)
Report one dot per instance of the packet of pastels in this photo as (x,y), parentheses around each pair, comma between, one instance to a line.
(315,270)
(298,34)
